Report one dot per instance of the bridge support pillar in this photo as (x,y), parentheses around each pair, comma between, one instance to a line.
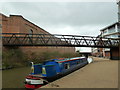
(115,53)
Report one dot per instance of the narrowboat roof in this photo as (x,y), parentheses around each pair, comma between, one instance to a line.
(69,59)
(54,60)
(61,60)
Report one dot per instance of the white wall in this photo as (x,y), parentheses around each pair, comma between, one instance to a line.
(111,30)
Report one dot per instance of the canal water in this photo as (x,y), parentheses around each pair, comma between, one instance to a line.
(14,78)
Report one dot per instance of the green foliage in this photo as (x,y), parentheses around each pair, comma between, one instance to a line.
(16,58)
(13,58)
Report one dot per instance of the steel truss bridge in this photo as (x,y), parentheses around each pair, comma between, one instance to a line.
(24,39)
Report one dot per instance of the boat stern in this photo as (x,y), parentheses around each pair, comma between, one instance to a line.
(34,82)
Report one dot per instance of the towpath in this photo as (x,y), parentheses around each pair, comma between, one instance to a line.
(102,73)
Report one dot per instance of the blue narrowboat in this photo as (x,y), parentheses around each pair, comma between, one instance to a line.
(53,69)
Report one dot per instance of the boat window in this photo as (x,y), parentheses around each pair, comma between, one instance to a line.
(78,62)
(43,70)
(66,66)
(81,61)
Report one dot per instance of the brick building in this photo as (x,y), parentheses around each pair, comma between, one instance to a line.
(18,24)
(97,52)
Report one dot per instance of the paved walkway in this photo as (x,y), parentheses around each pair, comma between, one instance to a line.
(102,73)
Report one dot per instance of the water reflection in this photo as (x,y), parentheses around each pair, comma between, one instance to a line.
(14,78)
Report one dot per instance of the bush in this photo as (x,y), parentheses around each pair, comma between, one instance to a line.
(16,58)
(13,58)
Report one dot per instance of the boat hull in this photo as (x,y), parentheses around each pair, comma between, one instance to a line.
(50,79)
(34,81)
(32,86)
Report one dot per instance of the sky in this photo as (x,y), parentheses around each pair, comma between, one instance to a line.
(73,18)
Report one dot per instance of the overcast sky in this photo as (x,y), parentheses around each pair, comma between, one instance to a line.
(75,18)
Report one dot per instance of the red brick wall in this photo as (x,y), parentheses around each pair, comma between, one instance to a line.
(10,25)
(107,54)
(17,24)
(48,49)
(115,53)
(98,52)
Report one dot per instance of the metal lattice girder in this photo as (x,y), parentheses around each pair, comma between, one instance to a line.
(23,39)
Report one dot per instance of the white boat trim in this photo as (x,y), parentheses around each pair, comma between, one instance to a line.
(31,81)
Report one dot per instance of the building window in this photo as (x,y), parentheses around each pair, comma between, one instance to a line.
(114,36)
(118,25)
(105,32)
(118,36)
(111,30)
(30,32)
(98,50)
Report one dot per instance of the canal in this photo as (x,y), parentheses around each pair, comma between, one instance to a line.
(14,78)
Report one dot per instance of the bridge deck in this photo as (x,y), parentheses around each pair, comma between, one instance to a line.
(23,39)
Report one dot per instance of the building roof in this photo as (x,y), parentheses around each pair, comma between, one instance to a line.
(109,26)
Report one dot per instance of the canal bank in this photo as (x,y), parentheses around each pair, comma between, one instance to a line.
(102,73)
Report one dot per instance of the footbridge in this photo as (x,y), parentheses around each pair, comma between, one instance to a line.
(24,39)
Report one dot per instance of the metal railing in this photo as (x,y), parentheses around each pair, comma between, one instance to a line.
(24,39)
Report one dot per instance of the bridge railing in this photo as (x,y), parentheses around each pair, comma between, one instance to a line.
(25,39)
